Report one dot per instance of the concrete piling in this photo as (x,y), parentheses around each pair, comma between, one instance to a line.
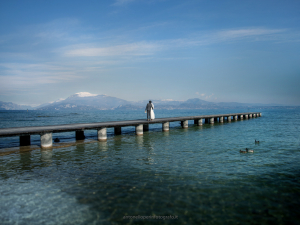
(199,122)
(139,129)
(221,119)
(166,126)
(185,124)
(46,140)
(102,134)
(211,120)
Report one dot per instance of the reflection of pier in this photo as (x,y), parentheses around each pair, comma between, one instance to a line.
(140,126)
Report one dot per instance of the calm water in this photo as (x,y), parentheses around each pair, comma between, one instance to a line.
(196,174)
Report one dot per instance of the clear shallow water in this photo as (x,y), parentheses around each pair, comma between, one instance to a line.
(196,174)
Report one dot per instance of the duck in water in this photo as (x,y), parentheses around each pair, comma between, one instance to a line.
(249,150)
(246,151)
(243,151)
(256,142)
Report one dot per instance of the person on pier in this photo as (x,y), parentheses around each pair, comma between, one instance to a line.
(149,109)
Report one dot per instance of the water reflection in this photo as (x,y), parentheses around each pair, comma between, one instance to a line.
(46,155)
(166,133)
(140,141)
(102,145)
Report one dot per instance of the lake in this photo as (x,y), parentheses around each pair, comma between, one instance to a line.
(184,176)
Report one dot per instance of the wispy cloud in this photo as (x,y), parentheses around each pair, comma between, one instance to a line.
(245,33)
(28,75)
(138,49)
(229,35)
(205,96)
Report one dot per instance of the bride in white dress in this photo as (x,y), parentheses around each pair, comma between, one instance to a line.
(152,115)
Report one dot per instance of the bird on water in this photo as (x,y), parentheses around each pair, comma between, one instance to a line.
(247,151)
(256,141)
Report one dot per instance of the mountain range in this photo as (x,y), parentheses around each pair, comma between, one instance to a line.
(87,101)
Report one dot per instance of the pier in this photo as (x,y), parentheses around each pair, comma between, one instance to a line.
(45,132)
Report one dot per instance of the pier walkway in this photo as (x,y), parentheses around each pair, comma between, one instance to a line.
(140,125)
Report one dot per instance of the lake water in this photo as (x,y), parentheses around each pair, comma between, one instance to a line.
(195,175)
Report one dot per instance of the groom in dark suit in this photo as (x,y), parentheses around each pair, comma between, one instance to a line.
(149,106)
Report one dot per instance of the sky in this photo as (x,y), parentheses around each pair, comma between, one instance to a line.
(216,50)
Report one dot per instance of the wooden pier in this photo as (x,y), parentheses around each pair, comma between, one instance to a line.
(45,132)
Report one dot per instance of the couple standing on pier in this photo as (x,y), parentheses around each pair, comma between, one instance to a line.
(149,111)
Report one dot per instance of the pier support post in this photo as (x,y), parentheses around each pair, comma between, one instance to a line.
(118,130)
(166,126)
(199,122)
(241,117)
(139,129)
(25,140)
(211,121)
(250,115)
(80,135)
(185,124)
(221,119)
(246,116)
(102,134)
(259,114)
(254,114)
(146,127)
(235,117)
(46,140)
(229,118)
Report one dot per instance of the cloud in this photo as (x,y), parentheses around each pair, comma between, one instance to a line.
(137,49)
(14,75)
(220,36)
(85,94)
(203,95)
(245,33)
(150,48)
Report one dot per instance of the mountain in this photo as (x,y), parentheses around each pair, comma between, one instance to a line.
(86,101)
(12,106)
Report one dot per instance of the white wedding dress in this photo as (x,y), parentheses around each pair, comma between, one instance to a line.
(152,115)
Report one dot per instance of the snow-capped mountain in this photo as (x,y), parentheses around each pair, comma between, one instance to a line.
(85,101)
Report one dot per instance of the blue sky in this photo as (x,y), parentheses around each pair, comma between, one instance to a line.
(243,51)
